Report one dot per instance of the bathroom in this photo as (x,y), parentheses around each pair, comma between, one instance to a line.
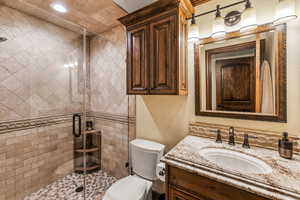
(81,99)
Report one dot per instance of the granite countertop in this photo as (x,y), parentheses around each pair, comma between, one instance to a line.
(282,184)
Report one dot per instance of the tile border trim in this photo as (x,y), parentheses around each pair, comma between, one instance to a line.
(122,119)
(265,139)
(18,125)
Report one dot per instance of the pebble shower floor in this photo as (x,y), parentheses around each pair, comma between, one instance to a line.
(64,189)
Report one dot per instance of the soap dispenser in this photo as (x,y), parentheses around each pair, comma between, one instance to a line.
(285,147)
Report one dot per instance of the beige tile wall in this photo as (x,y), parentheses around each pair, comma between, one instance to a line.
(34,83)
(114,151)
(108,72)
(114,110)
(30,159)
(33,79)
(264,139)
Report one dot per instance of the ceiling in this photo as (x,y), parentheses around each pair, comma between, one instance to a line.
(133,5)
(198,2)
(96,16)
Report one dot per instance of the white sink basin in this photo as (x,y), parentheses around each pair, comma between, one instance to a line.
(235,161)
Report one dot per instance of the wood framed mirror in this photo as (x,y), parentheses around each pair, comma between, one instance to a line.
(243,76)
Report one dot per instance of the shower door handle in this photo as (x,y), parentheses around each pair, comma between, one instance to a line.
(79,125)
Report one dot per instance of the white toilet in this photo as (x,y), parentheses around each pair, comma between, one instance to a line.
(144,156)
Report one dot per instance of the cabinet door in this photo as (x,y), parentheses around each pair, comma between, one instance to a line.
(137,64)
(178,195)
(163,64)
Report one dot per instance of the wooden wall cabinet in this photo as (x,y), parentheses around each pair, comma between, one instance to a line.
(183,185)
(157,48)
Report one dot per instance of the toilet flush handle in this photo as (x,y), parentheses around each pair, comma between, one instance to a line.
(162,172)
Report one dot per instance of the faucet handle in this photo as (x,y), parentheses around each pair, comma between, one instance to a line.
(231,139)
(219,136)
(246,140)
(231,130)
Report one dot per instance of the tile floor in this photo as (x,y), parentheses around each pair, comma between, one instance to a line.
(64,189)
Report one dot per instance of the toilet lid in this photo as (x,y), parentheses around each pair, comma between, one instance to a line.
(128,188)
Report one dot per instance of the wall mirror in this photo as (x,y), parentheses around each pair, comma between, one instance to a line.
(243,75)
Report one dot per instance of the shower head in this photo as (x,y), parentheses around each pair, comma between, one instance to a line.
(3,39)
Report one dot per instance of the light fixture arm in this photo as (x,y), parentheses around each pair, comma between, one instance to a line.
(220,8)
(193,19)
(248,4)
(218,12)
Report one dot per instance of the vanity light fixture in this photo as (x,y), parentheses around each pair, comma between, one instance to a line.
(194,31)
(218,25)
(59,7)
(248,18)
(285,11)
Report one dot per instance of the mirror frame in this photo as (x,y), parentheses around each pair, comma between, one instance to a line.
(281,76)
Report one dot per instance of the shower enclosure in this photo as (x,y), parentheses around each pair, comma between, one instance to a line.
(44,95)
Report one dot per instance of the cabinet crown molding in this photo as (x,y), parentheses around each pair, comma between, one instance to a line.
(155,9)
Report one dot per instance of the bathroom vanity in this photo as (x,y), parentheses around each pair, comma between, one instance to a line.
(184,185)
(198,168)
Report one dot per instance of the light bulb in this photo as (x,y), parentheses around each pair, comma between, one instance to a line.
(248,18)
(285,11)
(218,25)
(194,31)
(218,28)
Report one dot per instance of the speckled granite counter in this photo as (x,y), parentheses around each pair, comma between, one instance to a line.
(282,184)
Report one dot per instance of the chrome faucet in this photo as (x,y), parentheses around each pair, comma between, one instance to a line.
(231,140)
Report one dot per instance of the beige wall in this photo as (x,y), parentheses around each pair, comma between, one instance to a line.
(165,118)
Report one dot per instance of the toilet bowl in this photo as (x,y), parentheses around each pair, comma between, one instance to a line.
(130,188)
(144,157)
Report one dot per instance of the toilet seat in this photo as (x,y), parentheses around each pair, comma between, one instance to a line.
(129,188)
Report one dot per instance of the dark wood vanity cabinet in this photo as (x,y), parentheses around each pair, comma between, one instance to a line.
(157,48)
(183,185)
(176,194)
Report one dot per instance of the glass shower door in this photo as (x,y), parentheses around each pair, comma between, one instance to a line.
(87,136)
(80,128)
(74,181)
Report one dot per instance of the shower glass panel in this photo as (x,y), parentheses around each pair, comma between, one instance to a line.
(43,87)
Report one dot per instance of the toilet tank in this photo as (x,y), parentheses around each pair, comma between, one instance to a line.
(145,155)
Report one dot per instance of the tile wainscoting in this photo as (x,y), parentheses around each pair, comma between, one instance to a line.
(31,152)
(117,132)
(34,151)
